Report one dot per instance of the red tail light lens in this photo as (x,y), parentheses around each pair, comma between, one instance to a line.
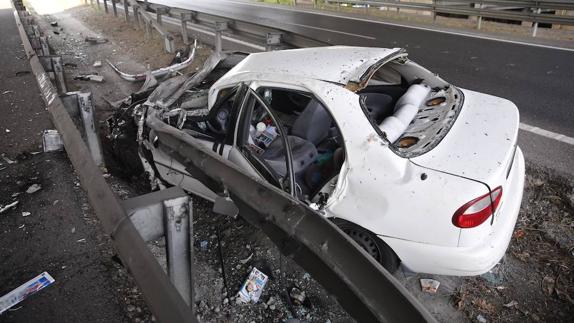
(475,212)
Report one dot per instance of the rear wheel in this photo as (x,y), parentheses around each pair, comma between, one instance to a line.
(374,246)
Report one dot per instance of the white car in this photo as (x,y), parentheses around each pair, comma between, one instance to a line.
(414,169)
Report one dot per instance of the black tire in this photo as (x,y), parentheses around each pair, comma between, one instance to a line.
(372,244)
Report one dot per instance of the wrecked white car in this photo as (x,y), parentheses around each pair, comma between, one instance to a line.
(414,169)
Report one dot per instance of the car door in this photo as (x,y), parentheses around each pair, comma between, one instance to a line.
(261,140)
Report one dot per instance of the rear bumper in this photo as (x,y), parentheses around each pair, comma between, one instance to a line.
(469,261)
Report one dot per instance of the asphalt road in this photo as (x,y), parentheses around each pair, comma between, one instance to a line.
(539,80)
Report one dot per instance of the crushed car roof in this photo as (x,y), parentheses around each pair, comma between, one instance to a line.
(337,64)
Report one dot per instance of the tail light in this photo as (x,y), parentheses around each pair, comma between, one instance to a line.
(475,212)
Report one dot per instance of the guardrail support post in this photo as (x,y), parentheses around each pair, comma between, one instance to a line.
(479,18)
(220,26)
(114,8)
(98,4)
(137,15)
(168,213)
(185,18)
(126,10)
(273,41)
(159,13)
(178,242)
(433,10)
(535,25)
(106,6)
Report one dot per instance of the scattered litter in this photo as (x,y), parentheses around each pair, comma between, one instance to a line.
(81,240)
(52,141)
(54,24)
(6,92)
(3,168)
(22,226)
(15,194)
(19,73)
(29,288)
(56,32)
(25,214)
(429,285)
(297,296)
(246,260)
(97,64)
(511,304)
(33,188)
(204,244)
(253,286)
(95,40)
(7,130)
(73,230)
(7,207)
(306,276)
(481,318)
(68,64)
(35,152)
(89,77)
(8,160)
(548,284)
(56,202)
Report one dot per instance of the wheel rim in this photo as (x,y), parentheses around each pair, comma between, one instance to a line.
(366,242)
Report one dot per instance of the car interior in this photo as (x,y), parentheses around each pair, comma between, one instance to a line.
(316,145)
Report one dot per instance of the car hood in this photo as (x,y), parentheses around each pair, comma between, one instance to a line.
(481,143)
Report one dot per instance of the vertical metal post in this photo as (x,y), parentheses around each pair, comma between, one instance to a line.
(159,14)
(398,9)
(106,6)
(114,8)
(147,29)
(220,26)
(185,18)
(433,10)
(45,47)
(87,111)
(535,25)
(92,3)
(58,69)
(98,3)
(126,10)
(479,21)
(178,242)
(273,41)
(137,15)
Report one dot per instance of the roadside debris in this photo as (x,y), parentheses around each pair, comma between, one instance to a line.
(511,304)
(429,285)
(8,160)
(89,77)
(7,130)
(7,207)
(33,188)
(297,296)
(25,214)
(548,284)
(159,72)
(481,318)
(97,64)
(52,141)
(246,260)
(253,286)
(95,40)
(23,291)
(54,24)
(6,92)
(203,245)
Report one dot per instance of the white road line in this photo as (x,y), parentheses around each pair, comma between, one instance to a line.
(547,134)
(332,31)
(458,33)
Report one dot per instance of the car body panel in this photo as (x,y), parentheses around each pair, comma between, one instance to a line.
(480,144)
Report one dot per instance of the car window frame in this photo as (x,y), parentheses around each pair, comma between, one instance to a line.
(242,131)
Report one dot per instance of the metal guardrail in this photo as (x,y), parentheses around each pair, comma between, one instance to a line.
(533,11)
(165,301)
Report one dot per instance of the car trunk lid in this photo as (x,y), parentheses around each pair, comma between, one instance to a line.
(480,144)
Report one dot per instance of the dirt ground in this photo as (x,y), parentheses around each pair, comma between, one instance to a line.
(533,283)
